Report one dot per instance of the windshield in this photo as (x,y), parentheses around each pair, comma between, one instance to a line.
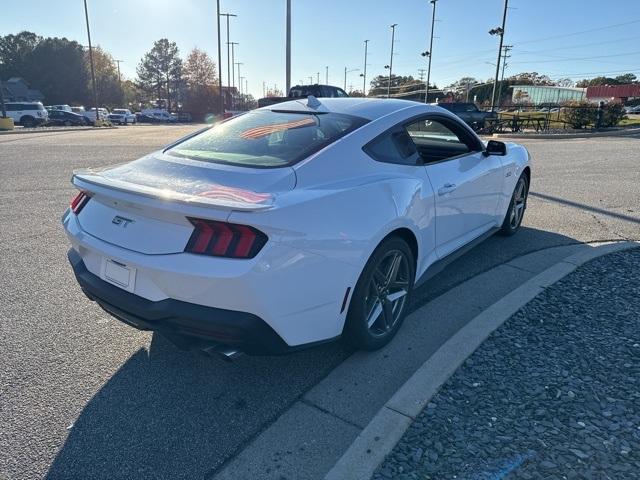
(265,139)
(119,111)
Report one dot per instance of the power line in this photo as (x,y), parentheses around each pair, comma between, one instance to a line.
(553,37)
(581,58)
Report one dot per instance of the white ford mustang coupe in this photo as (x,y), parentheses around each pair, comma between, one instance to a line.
(292,224)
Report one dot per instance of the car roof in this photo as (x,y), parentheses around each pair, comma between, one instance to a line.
(369,108)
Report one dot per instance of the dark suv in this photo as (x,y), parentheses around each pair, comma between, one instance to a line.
(469,113)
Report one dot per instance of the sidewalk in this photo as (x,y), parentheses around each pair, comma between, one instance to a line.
(553,393)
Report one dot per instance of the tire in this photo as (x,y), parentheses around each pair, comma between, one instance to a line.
(364,328)
(517,207)
(28,121)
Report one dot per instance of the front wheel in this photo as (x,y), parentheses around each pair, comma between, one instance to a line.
(381,296)
(515,213)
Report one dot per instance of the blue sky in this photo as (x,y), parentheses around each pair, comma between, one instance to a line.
(561,38)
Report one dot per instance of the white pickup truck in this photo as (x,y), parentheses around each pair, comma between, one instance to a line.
(122,116)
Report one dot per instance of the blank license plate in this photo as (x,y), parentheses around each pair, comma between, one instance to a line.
(119,274)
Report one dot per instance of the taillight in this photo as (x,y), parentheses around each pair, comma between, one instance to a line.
(79,201)
(221,239)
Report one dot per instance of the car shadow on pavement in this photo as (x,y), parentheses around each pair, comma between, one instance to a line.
(167,413)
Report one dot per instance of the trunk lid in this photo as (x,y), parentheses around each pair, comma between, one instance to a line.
(145,205)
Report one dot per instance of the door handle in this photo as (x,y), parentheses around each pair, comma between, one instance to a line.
(447,188)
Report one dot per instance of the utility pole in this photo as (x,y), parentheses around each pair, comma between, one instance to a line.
(242,85)
(364,73)
(246,86)
(318,77)
(264,89)
(228,43)
(288,48)
(219,59)
(326,75)
(233,64)
(393,33)
(506,49)
(239,81)
(433,21)
(345,76)
(498,31)
(310,79)
(93,72)
(421,72)
(119,78)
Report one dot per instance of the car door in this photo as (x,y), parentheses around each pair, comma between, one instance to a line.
(467,183)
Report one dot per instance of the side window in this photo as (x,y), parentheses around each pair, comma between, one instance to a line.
(436,141)
(12,106)
(341,93)
(393,147)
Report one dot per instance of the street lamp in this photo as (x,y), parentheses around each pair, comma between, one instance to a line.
(233,64)
(239,81)
(228,43)
(500,32)
(428,53)
(390,66)
(219,58)
(93,73)
(364,74)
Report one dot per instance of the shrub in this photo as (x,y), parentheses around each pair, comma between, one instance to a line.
(613,113)
(580,114)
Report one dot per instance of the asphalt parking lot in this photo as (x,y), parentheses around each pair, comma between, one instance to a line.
(83,396)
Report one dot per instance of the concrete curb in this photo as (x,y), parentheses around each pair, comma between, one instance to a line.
(559,136)
(57,130)
(378,438)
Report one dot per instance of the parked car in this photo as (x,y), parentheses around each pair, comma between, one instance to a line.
(632,110)
(157,115)
(303,91)
(238,238)
(27,114)
(64,108)
(79,110)
(91,114)
(469,113)
(122,116)
(62,117)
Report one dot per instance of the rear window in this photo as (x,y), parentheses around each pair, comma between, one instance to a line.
(267,139)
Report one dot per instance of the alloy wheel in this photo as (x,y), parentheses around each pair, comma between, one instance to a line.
(387,293)
(519,204)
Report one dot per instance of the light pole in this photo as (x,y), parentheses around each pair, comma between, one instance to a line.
(345,75)
(288,48)
(241,85)
(239,81)
(433,21)
(326,74)
(364,74)
(219,59)
(246,86)
(93,72)
(498,31)
(233,65)
(228,43)
(310,79)
(393,33)
(318,78)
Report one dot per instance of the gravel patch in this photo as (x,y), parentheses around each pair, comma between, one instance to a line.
(552,394)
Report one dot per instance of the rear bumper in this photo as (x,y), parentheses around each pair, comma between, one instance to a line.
(186,324)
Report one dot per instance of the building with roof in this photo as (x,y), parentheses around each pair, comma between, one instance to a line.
(613,93)
(17,90)
(545,94)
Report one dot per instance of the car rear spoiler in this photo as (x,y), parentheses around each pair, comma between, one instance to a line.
(221,196)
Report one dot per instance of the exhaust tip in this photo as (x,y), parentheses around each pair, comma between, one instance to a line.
(227,353)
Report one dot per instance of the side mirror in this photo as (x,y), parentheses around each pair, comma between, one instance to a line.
(495,147)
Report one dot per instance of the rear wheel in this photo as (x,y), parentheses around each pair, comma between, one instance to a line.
(28,121)
(381,296)
(518,205)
